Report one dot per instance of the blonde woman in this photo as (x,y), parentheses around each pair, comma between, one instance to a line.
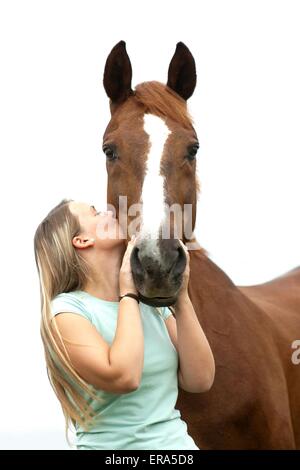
(111,362)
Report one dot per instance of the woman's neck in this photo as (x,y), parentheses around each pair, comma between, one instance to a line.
(105,271)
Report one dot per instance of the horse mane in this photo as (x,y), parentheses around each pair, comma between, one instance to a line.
(162,101)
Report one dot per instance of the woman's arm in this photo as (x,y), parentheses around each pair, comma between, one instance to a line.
(196,363)
(127,350)
(90,354)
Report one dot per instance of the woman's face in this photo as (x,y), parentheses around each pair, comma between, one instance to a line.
(102,227)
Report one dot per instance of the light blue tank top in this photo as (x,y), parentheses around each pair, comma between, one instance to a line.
(145,418)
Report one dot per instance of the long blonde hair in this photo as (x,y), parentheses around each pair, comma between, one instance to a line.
(62,269)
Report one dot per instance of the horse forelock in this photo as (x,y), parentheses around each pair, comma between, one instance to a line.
(160,100)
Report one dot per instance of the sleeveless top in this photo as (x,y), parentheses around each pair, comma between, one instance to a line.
(145,418)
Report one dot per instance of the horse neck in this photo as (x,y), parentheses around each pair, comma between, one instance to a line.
(218,303)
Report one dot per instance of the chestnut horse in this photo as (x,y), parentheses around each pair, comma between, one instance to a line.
(150,145)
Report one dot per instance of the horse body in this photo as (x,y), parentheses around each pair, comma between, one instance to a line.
(254,402)
(279,299)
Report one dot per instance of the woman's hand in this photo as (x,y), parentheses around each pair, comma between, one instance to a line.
(183,292)
(126,281)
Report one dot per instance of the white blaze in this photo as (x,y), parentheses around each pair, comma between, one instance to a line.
(152,196)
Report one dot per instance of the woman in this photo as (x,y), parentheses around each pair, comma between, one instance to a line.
(113,363)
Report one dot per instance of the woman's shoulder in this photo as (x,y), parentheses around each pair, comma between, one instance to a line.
(71,302)
(72,296)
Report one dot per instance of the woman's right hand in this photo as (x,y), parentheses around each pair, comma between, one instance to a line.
(125,278)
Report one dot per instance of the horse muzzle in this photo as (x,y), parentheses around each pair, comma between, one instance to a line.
(157,267)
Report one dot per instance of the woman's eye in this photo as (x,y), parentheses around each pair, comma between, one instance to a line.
(110,153)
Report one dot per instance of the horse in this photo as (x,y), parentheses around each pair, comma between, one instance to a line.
(150,145)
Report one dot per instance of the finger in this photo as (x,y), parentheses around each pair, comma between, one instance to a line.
(186,251)
(130,243)
(183,246)
(130,247)
(136,237)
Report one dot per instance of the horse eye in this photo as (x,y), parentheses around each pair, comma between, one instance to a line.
(110,153)
(192,152)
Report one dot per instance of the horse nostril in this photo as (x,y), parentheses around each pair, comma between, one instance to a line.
(136,265)
(180,262)
(135,255)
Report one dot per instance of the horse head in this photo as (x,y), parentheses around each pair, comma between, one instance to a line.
(150,146)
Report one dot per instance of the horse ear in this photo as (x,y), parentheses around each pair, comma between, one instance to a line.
(182,72)
(118,74)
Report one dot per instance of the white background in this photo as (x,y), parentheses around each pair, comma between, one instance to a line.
(53,113)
